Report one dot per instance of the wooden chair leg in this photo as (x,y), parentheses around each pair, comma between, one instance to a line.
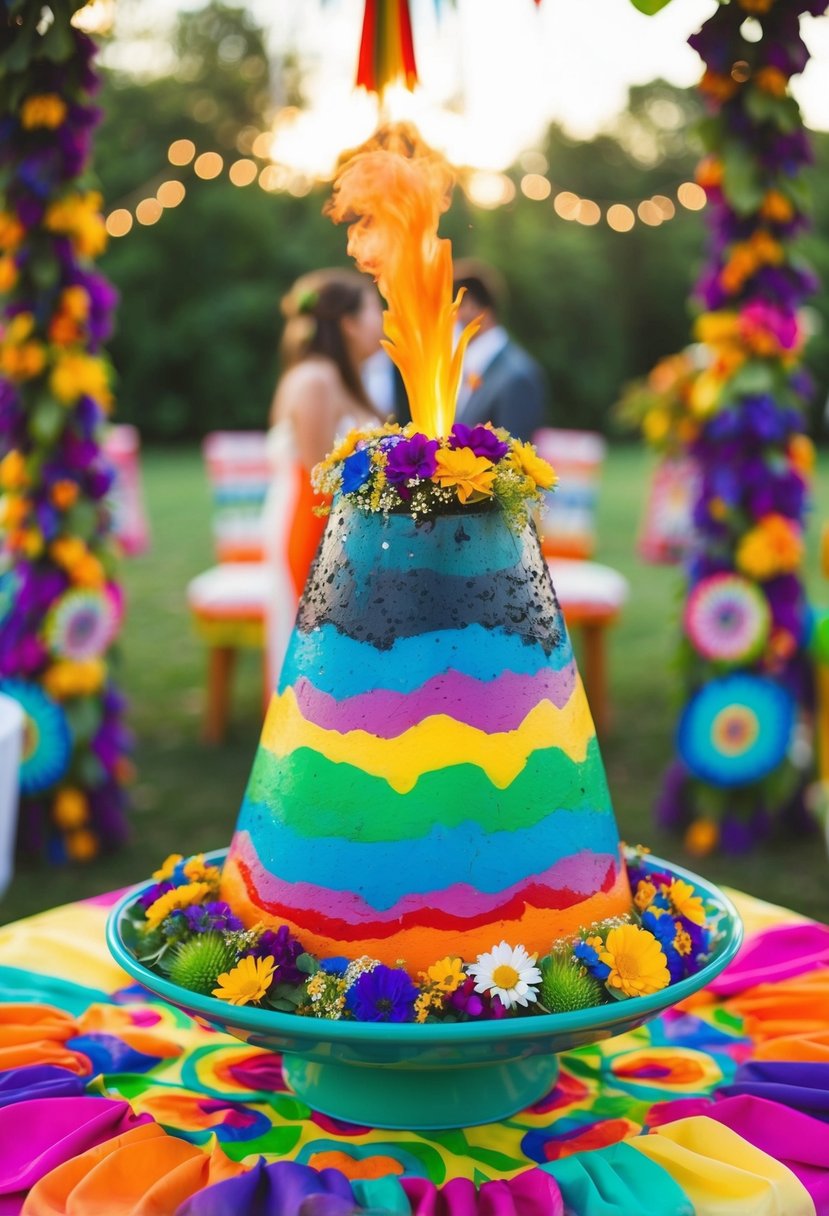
(595,674)
(221,661)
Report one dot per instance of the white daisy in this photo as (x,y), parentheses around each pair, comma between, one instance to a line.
(507,972)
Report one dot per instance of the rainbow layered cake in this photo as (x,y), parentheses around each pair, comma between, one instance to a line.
(428,779)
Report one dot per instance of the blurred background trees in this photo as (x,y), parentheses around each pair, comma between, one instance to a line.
(198,325)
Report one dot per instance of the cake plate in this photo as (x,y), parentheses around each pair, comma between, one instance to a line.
(426,1077)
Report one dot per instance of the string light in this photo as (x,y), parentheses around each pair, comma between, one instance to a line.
(208,165)
(536,187)
(171,193)
(148,211)
(243,172)
(484,188)
(691,196)
(181,152)
(119,222)
(620,217)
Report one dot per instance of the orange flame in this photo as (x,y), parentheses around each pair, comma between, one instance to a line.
(393,195)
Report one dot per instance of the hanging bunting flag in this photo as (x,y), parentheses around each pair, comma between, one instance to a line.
(386,47)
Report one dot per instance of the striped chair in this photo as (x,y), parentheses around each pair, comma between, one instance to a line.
(228,601)
(591,595)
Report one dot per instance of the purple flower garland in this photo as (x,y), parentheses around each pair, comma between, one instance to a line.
(60,603)
(746,669)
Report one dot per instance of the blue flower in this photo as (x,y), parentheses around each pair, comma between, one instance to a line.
(385,994)
(589,958)
(334,966)
(356,471)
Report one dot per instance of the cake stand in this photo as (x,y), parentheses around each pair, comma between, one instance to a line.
(421,1077)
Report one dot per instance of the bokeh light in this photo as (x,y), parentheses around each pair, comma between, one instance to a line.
(181,151)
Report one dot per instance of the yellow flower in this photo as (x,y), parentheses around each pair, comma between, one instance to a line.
(13,473)
(76,374)
(74,678)
(11,231)
(8,274)
(655,425)
(167,867)
(74,301)
(637,964)
(13,510)
(20,328)
(802,453)
(702,837)
(447,974)
(79,217)
(774,546)
(716,85)
(42,110)
(22,362)
(645,891)
(248,981)
(717,327)
(64,494)
(88,572)
(705,394)
(776,207)
(171,901)
(67,551)
(70,808)
(471,475)
(82,845)
(526,459)
(771,80)
(682,941)
(685,902)
(197,870)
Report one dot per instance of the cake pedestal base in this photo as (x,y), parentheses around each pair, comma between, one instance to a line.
(421,1099)
(432,1076)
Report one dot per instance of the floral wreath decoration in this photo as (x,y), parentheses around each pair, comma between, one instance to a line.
(394,469)
(184,932)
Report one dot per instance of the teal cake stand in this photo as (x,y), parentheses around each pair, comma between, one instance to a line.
(431,1076)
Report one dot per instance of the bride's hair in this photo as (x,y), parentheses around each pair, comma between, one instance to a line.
(313,311)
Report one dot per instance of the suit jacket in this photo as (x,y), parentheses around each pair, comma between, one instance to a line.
(512,394)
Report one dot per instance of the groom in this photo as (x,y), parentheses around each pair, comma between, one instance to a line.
(501,383)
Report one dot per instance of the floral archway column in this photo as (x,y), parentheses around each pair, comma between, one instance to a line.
(743,761)
(60,602)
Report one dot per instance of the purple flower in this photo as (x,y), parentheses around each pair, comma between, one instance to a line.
(155,892)
(284,949)
(414,457)
(356,471)
(385,994)
(205,917)
(482,440)
(466,1000)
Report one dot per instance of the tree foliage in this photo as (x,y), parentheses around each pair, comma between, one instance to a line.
(199,317)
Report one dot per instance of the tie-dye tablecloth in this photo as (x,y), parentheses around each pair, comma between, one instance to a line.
(112,1102)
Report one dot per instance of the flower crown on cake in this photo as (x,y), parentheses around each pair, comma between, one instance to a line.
(184,932)
(400,469)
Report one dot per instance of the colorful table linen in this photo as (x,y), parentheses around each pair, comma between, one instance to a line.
(114,1103)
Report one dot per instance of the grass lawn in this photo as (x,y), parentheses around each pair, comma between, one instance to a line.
(186,796)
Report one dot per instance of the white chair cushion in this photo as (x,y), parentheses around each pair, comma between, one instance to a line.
(588,586)
(231,589)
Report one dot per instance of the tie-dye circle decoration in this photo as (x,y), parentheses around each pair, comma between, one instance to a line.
(81,625)
(727,619)
(736,730)
(47,742)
